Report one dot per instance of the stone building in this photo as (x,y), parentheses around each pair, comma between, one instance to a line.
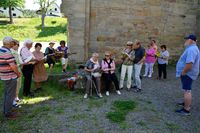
(97,25)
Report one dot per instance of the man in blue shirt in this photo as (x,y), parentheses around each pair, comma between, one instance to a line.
(187,69)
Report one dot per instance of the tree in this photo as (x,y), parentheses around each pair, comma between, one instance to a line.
(44,6)
(12,4)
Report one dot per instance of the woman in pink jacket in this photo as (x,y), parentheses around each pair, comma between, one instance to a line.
(149,61)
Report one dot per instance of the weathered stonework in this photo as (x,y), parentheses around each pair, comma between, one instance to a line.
(99,25)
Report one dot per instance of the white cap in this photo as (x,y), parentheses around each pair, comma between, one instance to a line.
(129,43)
(51,42)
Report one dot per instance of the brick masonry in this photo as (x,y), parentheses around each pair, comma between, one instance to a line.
(99,25)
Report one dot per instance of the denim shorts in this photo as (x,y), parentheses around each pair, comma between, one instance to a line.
(186,82)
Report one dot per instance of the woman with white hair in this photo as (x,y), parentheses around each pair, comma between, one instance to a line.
(93,68)
(27,60)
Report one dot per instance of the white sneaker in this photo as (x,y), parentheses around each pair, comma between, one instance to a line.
(107,93)
(118,92)
(149,76)
(144,75)
(85,96)
(100,95)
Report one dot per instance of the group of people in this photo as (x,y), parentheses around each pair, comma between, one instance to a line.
(14,64)
(133,56)
(31,64)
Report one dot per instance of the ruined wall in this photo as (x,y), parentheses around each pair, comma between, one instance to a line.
(97,25)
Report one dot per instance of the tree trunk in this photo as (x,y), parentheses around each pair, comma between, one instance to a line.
(43,17)
(10,15)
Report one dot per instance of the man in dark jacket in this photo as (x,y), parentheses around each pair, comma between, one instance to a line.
(138,62)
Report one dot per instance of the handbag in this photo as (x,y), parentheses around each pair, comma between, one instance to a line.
(96,74)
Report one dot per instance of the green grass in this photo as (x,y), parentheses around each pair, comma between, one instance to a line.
(121,109)
(31,28)
(141,123)
(173,127)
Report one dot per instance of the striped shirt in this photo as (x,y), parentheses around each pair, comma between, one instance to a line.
(6,61)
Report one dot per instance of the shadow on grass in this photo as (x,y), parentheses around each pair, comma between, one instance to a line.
(51,31)
(4,22)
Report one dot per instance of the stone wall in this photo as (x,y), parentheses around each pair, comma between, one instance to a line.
(99,25)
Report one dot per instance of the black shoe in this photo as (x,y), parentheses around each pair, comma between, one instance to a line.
(134,87)
(31,94)
(138,90)
(17,106)
(37,90)
(183,111)
(181,104)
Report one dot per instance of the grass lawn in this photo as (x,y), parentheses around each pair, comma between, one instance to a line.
(30,28)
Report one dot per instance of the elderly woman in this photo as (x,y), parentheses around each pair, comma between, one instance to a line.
(128,56)
(50,52)
(27,60)
(108,67)
(92,68)
(39,72)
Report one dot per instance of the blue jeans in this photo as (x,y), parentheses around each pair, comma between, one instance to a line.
(136,75)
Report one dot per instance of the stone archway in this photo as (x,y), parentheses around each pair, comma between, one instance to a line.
(96,25)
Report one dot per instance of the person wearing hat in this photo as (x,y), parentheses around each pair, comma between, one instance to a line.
(50,52)
(187,69)
(128,56)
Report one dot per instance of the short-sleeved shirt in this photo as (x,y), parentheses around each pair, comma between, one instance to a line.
(139,54)
(91,65)
(65,50)
(7,60)
(163,59)
(190,55)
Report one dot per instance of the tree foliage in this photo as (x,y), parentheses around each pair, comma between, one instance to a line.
(44,7)
(10,4)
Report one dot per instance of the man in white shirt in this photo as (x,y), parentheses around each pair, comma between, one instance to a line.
(27,60)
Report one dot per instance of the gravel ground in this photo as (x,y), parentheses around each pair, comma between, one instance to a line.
(154,112)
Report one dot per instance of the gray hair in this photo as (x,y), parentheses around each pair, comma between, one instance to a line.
(28,41)
(95,55)
(7,40)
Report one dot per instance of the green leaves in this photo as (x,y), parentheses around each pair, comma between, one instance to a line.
(12,3)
